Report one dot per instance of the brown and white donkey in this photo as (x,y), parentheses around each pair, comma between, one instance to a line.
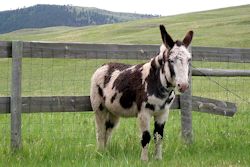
(143,90)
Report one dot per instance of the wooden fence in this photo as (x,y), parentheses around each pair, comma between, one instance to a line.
(16,104)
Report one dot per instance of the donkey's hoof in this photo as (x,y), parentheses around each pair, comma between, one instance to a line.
(157,157)
(144,159)
(101,148)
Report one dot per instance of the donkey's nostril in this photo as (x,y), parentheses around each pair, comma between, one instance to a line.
(182,87)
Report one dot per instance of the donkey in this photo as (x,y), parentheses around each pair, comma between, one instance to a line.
(142,91)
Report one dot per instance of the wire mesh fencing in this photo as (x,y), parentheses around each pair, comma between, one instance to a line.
(5,74)
(65,70)
(235,89)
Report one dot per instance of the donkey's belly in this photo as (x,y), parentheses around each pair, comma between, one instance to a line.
(116,109)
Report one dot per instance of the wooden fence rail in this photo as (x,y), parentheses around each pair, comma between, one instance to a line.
(16,104)
(115,51)
(220,72)
(45,104)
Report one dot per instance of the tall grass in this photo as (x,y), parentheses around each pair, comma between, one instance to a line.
(52,139)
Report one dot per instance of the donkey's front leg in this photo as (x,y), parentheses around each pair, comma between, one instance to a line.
(158,133)
(144,120)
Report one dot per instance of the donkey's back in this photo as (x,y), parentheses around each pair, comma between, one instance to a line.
(116,88)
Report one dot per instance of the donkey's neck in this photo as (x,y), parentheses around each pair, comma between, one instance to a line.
(157,83)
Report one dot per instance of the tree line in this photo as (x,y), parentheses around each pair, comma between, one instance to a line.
(41,16)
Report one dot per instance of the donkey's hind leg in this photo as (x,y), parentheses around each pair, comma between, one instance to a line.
(105,123)
(100,120)
(110,124)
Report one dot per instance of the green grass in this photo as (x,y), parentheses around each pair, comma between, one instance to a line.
(218,142)
(68,139)
(227,27)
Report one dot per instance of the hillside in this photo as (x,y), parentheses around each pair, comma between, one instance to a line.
(41,16)
(228,27)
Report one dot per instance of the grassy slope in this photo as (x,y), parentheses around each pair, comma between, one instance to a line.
(68,139)
(40,16)
(229,27)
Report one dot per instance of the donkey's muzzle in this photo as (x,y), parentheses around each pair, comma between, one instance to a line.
(182,87)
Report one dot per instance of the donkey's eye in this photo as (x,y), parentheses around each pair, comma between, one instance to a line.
(170,61)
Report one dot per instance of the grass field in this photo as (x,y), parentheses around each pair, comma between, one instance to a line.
(68,139)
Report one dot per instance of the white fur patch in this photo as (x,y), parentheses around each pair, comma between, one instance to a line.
(181,56)
(163,48)
(145,73)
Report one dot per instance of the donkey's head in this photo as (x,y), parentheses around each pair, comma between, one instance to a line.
(176,57)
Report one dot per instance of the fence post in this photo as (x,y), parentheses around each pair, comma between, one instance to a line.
(186,110)
(16,99)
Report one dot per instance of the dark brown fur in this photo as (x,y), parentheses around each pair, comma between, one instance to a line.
(113,98)
(111,68)
(129,83)
(154,84)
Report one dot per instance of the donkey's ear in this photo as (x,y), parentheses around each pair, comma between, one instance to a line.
(188,38)
(166,38)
